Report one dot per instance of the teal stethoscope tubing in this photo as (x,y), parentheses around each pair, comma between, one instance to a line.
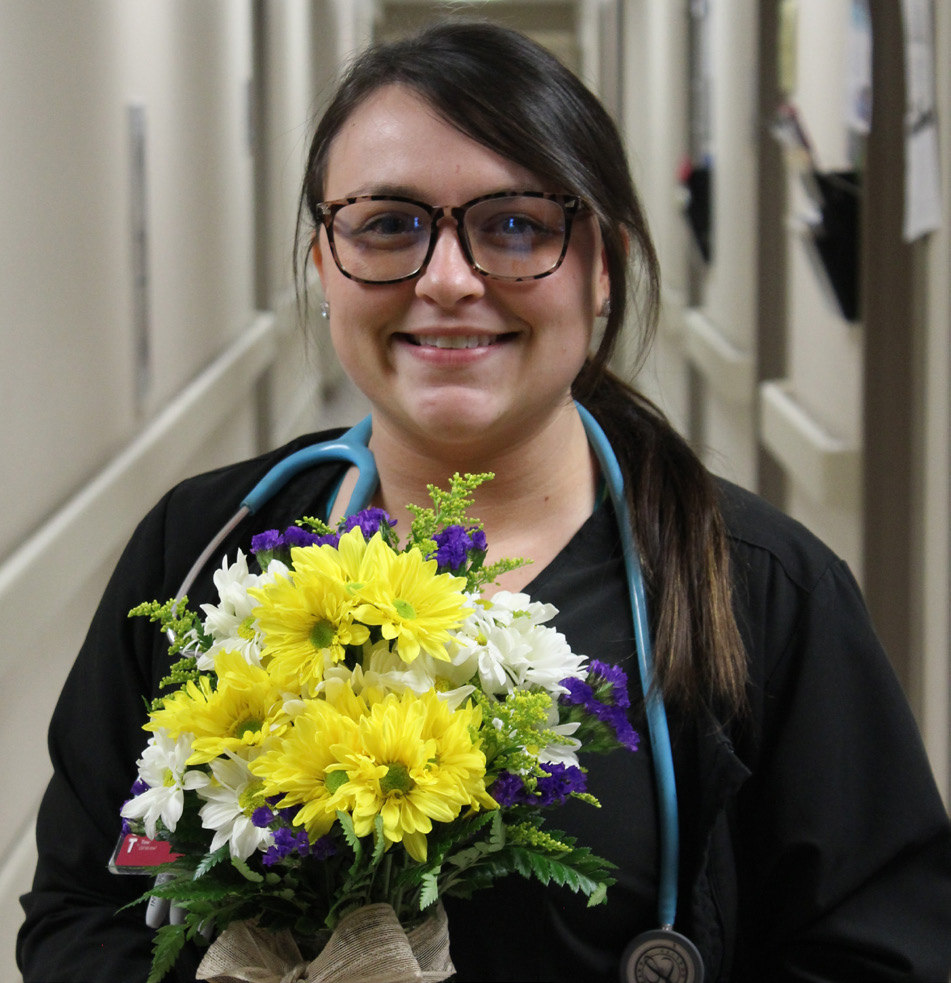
(352,447)
(661,750)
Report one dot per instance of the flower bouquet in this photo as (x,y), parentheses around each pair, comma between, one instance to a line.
(355,732)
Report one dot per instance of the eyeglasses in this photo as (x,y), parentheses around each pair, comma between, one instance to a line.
(506,236)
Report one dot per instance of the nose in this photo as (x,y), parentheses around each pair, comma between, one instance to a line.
(449,277)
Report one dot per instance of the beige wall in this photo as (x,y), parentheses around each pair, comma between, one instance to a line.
(85,449)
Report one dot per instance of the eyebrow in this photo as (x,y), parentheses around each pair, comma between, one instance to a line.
(400,190)
(407,191)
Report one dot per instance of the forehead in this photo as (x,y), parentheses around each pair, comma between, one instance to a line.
(396,142)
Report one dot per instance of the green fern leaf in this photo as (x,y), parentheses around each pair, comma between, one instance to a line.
(211,860)
(245,871)
(168,943)
(430,889)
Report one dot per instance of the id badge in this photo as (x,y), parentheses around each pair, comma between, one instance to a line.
(137,854)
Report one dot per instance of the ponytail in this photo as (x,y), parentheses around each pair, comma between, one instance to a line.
(678,527)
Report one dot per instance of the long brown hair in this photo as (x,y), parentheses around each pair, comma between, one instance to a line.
(509,94)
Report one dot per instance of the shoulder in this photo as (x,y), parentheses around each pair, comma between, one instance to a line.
(214,496)
(184,520)
(760,535)
(798,606)
(233,481)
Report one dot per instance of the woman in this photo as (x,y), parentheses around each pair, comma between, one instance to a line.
(813,842)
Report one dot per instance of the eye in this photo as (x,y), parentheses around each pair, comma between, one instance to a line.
(391,224)
(382,225)
(513,227)
(518,224)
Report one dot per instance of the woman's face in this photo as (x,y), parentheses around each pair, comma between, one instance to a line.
(525,341)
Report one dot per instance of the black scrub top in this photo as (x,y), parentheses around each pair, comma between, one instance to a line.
(520,929)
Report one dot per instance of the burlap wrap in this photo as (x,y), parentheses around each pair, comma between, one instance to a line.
(368,946)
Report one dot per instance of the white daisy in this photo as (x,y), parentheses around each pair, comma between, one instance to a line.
(506,642)
(564,751)
(231,798)
(230,622)
(507,608)
(162,768)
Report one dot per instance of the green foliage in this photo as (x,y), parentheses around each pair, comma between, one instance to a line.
(429,889)
(181,672)
(184,890)
(315,525)
(495,570)
(245,871)
(353,841)
(379,841)
(176,617)
(211,860)
(449,508)
(508,745)
(168,943)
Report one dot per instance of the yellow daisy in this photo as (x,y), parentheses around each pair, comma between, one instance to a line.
(304,769)
(240,713)
(407,775)
(409,600)
(309,616)
(459,757)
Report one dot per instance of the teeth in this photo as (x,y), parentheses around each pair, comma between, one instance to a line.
(454,341)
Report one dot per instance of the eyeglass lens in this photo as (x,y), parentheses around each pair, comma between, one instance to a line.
(513,236)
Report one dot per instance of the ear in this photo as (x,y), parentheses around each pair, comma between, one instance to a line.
(602,279)
(317,254)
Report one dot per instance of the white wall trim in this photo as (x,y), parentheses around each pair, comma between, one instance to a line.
(826,468)
(95,523)
(729,371)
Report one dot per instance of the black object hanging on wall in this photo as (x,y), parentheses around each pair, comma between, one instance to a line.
(836,236)
(697,181)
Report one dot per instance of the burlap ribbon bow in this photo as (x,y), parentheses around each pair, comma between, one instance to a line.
(368,946)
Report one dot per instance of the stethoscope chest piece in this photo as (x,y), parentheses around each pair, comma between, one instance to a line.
(661,956)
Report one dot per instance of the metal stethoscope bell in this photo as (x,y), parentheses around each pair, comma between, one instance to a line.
(661,956)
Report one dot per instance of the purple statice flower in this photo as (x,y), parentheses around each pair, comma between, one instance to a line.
(579,692)
(370,521)
(323,848)
(616,719)
(603,695)
(561,780)
(613,676)
(508,789)
(295,536)
(266,542)
(552,788)
(455,543)
(262,817)
(286,842)
(286,814)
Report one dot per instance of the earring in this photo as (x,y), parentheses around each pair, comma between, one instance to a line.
(325,310)
(605,308)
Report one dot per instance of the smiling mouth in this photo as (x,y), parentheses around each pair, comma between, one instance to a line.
(455,341)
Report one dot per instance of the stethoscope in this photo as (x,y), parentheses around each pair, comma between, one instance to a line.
(662,954)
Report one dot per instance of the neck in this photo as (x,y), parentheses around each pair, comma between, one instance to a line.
(543,490)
